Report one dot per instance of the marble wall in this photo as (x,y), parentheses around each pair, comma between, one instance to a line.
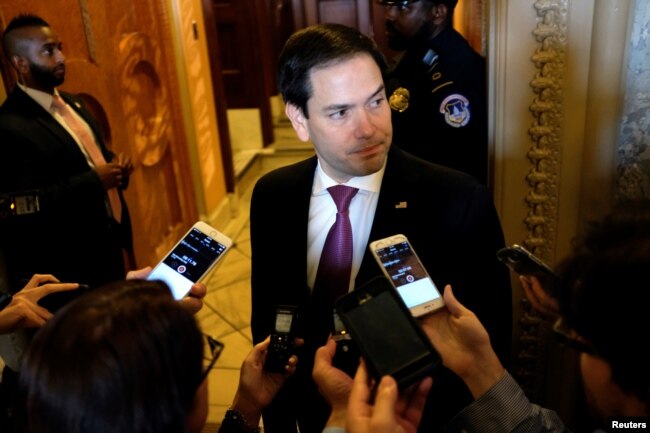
(633,168)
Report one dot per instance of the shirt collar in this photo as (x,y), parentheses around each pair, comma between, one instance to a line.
(43,99)
(370,183)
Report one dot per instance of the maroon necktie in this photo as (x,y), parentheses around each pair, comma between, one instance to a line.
(333,275)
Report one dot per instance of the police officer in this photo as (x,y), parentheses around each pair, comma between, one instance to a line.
(437,88)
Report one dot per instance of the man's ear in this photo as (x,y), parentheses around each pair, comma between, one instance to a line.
(439,13)
(20,64)
(298,121)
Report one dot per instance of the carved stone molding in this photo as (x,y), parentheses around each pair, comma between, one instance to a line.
(543,177)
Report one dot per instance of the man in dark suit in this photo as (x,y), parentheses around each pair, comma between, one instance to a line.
(81,226)
(331,81)
(437,88)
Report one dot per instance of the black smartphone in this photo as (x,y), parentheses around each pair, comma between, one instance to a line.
(281,346)
(53,302)
(523,262)
(387,335)
(347,354)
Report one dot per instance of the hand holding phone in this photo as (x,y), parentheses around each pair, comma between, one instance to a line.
(404,269)
(523,262)
(191,258)
(387,335)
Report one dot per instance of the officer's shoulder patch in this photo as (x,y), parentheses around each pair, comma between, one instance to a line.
(455,108)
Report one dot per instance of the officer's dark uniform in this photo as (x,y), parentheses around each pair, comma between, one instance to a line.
(437,95)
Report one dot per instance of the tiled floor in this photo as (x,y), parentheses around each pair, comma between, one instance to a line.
(227,306)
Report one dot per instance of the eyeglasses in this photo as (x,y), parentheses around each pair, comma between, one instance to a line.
(570,338)
(212,348)
(402,6)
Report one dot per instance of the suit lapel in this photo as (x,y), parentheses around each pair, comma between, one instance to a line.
(29,108)
(392,211)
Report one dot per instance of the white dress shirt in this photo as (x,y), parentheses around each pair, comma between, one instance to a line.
(322,214)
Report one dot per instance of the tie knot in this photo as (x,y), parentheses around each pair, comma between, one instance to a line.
(342,196)
(58,103)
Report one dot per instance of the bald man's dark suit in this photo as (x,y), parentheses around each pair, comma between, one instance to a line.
(73,237)
(452,224)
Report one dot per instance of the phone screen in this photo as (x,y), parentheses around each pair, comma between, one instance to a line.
(398,346)
(187,262)
(408,275)
(283,322)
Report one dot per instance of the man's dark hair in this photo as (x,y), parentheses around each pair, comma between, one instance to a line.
(604,294)
(19,22)
(122,358)
(319,46)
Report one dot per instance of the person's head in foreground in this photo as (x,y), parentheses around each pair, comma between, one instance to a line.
(123,358)
(604,299)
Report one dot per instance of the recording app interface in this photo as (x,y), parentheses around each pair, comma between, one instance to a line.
(407,274)
(189,260)
(194,255)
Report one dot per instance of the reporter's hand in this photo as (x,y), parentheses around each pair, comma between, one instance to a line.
(139,274)
(193,302)
(43,284)
(539,299)
(391,412)
(333,384)
(463,344)
(257,387)
(23,311)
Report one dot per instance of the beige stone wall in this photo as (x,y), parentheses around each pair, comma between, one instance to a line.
(557,89)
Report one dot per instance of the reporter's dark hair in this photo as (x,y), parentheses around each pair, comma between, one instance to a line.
(319,46)
(604,293)
(124,358)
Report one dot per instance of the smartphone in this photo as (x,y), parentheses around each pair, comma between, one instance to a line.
(347,354)
(53,302)
(281,346)
(404,269)
(523,262)
(191,258)
(386,333)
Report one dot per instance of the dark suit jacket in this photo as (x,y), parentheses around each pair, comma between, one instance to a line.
(72,236)
(453,226)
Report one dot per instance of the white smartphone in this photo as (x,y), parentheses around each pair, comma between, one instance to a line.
(401,265)
(191,258)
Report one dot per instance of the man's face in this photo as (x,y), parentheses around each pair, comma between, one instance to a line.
(349,118)
(43,63)
(604,397)
(408,24)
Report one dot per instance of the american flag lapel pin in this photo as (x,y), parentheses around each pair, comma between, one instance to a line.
(401,205)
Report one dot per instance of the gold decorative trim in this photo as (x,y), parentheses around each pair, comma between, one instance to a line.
(88,31)
(543,178)
(546,108)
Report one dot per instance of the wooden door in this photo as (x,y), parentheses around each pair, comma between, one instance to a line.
(243,29)
(353,13)
(118,59)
